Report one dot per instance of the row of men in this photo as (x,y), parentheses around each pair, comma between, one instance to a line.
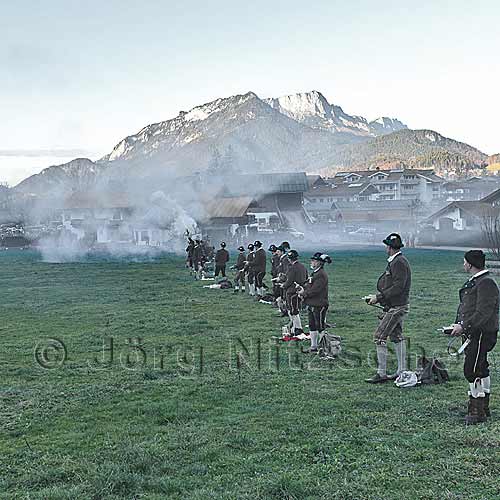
(477,318)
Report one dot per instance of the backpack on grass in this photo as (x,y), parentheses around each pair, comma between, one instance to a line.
(329,346)
(431,371)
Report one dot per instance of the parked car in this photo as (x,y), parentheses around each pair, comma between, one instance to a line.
(363,231)
(294,233)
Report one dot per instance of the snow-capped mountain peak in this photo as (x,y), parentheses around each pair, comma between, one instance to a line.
(313,109)
(384,125)
(187,127)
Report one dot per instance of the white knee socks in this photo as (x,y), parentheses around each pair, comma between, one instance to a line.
(314,339)
(401,356)
(382,360)
(486,384)
(476,389)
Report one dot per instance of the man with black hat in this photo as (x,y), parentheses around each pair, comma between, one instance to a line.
(477,320)
(394,296)
(221,259)
(239,280)
(198,259)
(279,292)
(258,264)
(285,246)
(189,251)
(249,269)
(275,262)
(315,296)
(296,277)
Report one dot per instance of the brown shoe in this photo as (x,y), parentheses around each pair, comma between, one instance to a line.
(475,414)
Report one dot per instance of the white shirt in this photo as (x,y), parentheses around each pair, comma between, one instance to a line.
(392,257)
(480,273)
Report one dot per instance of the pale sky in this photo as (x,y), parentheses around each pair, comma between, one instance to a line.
(77,77)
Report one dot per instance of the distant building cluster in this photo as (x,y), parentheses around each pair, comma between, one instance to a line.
(352,204)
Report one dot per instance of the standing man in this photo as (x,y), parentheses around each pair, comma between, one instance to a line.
(275,261)
(258,265)
(189,251)
(296,277)
(394,295)
(198,259)
(249,270)
(315,296)
(477,320)
(239,280)
(221,259)
(279,292)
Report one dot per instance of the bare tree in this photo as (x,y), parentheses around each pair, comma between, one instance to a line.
(490,227)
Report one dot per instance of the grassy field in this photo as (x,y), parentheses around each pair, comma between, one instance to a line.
(169,412)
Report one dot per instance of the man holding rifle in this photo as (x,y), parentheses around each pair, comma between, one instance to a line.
(477,320)
(393,295)
(296,277)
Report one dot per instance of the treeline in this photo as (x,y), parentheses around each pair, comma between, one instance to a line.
(414,149)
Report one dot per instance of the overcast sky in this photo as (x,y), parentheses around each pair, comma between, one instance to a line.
(76,77)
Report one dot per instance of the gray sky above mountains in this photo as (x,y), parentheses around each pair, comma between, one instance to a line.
(83,75)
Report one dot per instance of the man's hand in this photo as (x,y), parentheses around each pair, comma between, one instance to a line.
(457,330)
(372,300)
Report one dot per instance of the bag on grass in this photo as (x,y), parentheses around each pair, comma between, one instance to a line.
(431,371)
(225,284)
(329,346)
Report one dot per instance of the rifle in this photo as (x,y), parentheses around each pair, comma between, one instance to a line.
(367,300)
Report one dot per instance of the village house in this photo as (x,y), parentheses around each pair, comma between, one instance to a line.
(459,216)
(463,221)
(473,189)
(98,217)
(401,184)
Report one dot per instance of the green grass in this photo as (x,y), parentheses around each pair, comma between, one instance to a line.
(199,430)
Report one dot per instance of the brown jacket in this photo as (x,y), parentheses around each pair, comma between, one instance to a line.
(316,289)
(222,257)
(258,264)
(297,273)
(394,285)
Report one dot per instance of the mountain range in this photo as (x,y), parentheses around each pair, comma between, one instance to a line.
(243,133)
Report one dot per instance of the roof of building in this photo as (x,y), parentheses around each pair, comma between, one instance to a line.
(492,197)
(474,208)
(229,208)
(316,180)
(392,175)
(354,189)
(256,184)
(90,200)
(317,206)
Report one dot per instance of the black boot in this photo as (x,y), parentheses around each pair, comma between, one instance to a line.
(487,412)
(475,413)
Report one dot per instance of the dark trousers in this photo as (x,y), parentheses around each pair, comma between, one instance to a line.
(293,303)
(476,356)
(317,318)
(220,268)
(259,279)
(240,278)
(250,277)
